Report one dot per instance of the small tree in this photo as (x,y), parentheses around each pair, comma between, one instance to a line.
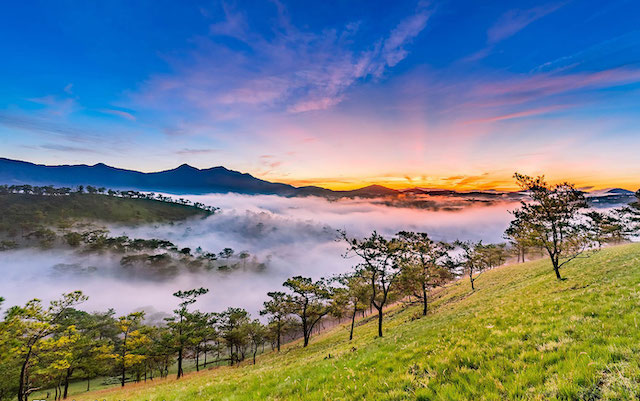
(181,323)
(257,334)
(427,265)
(233,329)
(131,340)
(608,228)
(472,260)
(520,236)
(309,300)
(354,294)
(382,259)
(629,216)
(554,217)
(29,326)
(277,309)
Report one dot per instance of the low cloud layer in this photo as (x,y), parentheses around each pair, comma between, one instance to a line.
(291,235)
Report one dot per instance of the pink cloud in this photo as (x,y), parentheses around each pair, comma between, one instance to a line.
(298,71)
(540,85)
(519,114)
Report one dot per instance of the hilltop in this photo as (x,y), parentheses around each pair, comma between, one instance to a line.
(30,210)
(521,335)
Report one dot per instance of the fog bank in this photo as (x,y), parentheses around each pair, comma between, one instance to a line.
(293,236)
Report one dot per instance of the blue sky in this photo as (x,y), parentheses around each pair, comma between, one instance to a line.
(446,94)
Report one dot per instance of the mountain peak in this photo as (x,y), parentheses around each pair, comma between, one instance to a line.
(185,167)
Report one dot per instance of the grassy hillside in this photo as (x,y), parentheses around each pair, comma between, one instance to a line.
(521,335)
(28,209)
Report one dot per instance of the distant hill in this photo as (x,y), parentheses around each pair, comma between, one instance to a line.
(182,179)
(619,191)
(186,179)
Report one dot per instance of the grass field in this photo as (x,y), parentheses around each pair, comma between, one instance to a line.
(521,335)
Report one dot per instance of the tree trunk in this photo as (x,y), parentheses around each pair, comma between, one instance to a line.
(66,383)
(379,321)
(353,321)
(557,270)
(179,362)
(123,374)
(424,300)
(22,391)
(88,384)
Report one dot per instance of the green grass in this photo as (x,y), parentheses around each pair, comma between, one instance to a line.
(32,210)
(521,335)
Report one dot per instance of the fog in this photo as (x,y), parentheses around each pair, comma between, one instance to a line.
(292,236)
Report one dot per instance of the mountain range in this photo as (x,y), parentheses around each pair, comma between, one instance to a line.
(182,179)
(187,179)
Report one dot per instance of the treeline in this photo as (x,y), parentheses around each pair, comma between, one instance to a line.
(48,217)
(155,258)
(27,209)
(49,190)
(48,347)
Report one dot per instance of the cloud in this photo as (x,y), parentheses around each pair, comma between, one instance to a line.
(46,126)
(294,236)
(519,114)
(67,148)
(56,106)
(119,113)
(515,20)
(530,87)
(187,151)
(289,70)
(393,50)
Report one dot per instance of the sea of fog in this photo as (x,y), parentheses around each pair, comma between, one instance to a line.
(293,236)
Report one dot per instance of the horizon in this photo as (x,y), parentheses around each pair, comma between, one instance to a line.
(420,94)
(403,188)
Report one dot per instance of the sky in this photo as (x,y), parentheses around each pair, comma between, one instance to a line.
(341,94)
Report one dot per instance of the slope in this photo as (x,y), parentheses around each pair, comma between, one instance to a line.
(520,335)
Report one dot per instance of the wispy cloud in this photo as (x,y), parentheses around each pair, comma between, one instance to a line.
(55,105)
(187,151)
(62,148)
(518,114)
(68,148)
(46,126)
(120,113)
(290,70)
(515,20)
(507,25)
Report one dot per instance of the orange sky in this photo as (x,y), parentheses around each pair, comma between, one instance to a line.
(461,183)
